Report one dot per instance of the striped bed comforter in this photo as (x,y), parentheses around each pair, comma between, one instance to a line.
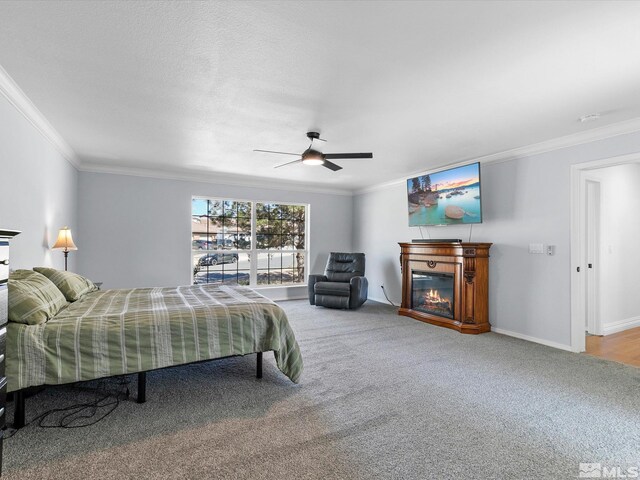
(115,332)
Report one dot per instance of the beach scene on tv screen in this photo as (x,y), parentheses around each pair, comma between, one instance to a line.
(450,197)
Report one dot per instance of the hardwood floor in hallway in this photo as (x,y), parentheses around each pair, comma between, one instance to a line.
(623,347)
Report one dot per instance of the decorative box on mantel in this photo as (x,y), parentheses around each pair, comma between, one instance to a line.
(446,284)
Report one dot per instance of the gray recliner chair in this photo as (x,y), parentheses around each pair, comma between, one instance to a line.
(343,284)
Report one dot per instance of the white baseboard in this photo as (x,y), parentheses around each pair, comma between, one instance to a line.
(529,338)
(620,325)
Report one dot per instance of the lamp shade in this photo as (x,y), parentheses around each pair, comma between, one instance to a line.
(64,241)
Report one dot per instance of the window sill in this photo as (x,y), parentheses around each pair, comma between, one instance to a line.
(283,292)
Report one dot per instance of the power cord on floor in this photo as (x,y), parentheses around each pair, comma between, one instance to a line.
(385,296)
(103,405)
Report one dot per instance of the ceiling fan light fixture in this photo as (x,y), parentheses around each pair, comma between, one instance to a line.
(313,161)
(312,157)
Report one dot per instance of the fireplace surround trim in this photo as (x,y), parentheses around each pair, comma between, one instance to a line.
(469,265)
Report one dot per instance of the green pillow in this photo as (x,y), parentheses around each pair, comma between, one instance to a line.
(72,285)
(33,298)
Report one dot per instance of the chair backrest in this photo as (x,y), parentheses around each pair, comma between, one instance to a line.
(341,267)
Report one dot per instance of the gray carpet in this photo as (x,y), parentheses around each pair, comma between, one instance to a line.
(382,396)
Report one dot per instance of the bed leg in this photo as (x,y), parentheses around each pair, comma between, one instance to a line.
(142,387)
(19,411)
(259,365)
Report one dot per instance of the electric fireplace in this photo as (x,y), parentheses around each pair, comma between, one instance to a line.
(432,293)
(446,283)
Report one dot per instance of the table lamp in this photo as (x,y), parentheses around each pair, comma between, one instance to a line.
(65,243)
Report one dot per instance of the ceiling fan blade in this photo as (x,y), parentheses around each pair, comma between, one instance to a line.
(331,166)
(348,155)
(279,153)
(288,163)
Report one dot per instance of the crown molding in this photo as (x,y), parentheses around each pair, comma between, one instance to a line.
(211,177)
(14,94)
(592,135)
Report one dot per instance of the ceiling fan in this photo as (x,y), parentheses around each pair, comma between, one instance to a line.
(314,156)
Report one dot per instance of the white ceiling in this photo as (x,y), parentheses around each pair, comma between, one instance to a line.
(196,86)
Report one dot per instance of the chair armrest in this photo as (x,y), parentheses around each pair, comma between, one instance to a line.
(359,291)
(310,286)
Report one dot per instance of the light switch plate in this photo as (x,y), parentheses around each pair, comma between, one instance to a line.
(536,248)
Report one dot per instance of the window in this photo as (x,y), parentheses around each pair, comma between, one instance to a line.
(248,243)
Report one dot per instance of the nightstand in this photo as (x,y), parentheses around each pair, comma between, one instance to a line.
(5,237)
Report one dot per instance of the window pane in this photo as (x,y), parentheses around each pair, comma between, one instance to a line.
(269,277)
(242,241)
(244,225)
(221,267)
(199,207)
(262,211)
(285,211)
(201,242)
(275,226)
(288,276)
(263,227)
(297,211)
(268,241)
(267,272)
(215,208)
(275,260)
(229,208)
(229,224)
(289,240)
(244,210)
(298,268)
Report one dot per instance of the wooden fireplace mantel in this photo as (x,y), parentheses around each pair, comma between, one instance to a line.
(469,265)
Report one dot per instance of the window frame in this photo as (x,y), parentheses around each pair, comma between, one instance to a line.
(254,251)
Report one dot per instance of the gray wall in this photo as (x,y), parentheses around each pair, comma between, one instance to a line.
(39,191)
(525,200)
(136,231)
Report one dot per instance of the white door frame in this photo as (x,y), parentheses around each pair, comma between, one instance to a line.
(578,241)
(591,212)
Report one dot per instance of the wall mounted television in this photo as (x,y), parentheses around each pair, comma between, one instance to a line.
(447,197)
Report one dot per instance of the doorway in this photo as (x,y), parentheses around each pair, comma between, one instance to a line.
(604,199)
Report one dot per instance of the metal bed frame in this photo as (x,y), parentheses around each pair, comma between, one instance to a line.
(19,396)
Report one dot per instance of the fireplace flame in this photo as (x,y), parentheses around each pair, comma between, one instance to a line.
(434,301)
(433,296)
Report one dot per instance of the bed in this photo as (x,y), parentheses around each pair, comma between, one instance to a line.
(116,332)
